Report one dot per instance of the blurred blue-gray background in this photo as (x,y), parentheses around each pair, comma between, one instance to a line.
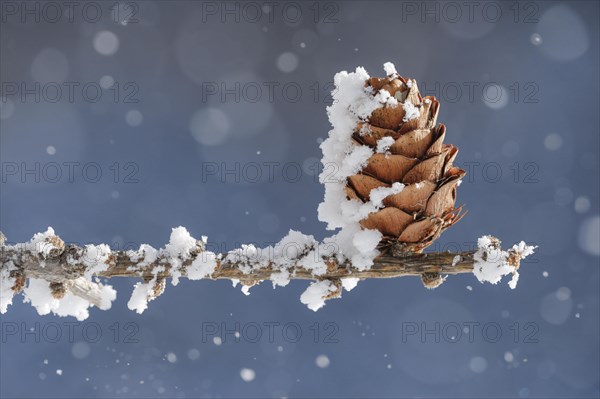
(120,121)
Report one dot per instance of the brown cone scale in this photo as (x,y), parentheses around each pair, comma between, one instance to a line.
(418,158)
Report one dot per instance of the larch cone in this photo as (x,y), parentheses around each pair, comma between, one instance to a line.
(415,155)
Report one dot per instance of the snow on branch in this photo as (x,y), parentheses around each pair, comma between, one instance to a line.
(381,225)
(63,279)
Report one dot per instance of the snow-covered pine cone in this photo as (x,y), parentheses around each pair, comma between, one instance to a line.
(409,149)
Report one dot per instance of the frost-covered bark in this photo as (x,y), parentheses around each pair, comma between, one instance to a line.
(62,279)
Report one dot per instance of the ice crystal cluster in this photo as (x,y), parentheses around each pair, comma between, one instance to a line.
(38,291)
(492,263)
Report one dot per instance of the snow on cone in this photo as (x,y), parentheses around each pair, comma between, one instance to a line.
(417,157)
